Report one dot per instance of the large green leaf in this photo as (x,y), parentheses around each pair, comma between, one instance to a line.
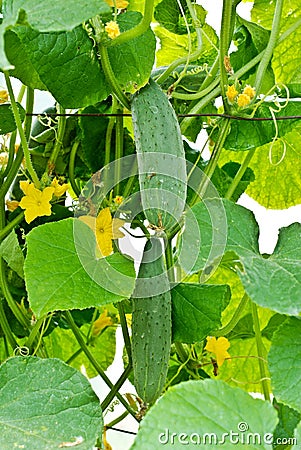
(284,363)
(196,310)
(10,251)
(288,420)
(44,404)
(7,119)
(205,414)
(62,272)
(132,62)
(243,369)
(276,168)
(47,17)
(272,282)
(64,62)
(286,56)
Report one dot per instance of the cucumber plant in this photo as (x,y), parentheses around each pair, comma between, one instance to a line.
(144,99)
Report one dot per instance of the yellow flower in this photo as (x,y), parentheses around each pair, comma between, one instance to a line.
(118,199)
(231,93)
(102,322)
(59,189)
(12,205)
(112,29)
(3,157)
(3,96)
(219,347)
(105,229)
(35,202)
(243,100)
(120,4)
(248,90)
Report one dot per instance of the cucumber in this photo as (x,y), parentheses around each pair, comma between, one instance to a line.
(151,324)
(160,155)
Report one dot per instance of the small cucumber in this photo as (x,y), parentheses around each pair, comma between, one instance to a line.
(161,156)
(151,324)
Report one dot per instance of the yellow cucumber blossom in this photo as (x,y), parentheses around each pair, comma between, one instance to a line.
(59,189)
(231,93)
(118,199)
(105,229)
(103,321)
(219,347)
(120,4)
(112,29)
(35,202)
(243,100)
(3,96)
(250,91)
(12,205)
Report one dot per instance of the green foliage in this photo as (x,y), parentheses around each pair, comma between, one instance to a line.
(39,396)
(209,319)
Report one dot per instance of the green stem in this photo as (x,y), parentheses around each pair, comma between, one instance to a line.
(6,327)
(169,260)
(109,132)
(11,225)
(115,391)
(218,147)
(223,49)
(12,173)
(110,76)
(234,319)
(131,180)
(268,52)
(71,166)
(29,110)
(118,150)
(125,331)
(58,141)
(93,361)
(240,174)
(261,351)
(193,56)
(23,139)
(117,420)
(139,29)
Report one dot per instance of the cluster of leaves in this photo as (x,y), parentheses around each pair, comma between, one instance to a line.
(235,312)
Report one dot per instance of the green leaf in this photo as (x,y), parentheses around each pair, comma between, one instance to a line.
(45,403)
(204,413)
(196,310)
(284,363)
(7,119)
(139,51)
(243,369)
(288,420)
(54,15)
(286,56)
(249,134)
(276,168)
(64,62)
(174,46)
(272,282)
(62,272)
(11,252)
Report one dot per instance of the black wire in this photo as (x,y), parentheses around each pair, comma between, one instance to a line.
(226,116)
(121,431)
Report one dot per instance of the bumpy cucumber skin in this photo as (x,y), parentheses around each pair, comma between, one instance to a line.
(151,329)
(161,156)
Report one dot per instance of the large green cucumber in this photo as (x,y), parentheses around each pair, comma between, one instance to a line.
(151,324)
(161,156)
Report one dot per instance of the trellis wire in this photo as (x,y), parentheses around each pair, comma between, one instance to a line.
(226,116)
